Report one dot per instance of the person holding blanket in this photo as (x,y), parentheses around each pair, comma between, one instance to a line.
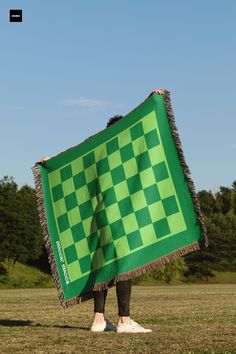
(123,289)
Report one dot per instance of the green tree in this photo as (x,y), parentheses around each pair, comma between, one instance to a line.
(20,233)
(224,200)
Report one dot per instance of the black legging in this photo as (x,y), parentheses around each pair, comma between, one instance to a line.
(123,292)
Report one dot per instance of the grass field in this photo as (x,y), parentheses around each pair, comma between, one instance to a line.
(184,319)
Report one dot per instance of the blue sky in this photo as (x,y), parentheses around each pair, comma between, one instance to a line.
(72,64)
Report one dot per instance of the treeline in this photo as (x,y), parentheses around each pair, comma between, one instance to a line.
(21,235)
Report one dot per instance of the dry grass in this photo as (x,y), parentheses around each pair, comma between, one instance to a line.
(184,319)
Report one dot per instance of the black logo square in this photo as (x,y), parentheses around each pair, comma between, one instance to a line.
(15,15)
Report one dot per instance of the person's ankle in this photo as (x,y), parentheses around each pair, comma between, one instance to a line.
(98,317)
(123,319)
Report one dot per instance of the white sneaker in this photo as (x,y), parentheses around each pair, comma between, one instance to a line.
(131,327)
(103,327)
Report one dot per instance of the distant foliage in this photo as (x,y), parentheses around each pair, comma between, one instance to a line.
(219,211)
(20,231)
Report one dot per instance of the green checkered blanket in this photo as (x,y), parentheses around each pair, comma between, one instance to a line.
(119,204)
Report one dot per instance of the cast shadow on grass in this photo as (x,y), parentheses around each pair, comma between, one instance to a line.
(21,323)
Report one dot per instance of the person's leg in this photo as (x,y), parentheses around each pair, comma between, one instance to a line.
(99,323)
(125,323)
(123,293)
(99,305)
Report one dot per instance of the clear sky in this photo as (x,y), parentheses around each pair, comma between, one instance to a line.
(72,64)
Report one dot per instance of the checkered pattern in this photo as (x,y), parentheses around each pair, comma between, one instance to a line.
(115,200)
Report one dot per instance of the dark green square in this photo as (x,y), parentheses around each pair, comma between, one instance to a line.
(109,197)
(152,194)
(93,242)
(134,240)
(57,192)
(85,264)
(71,201)
(86,210)
(160,171)
(143,161)
(78,232)
(112,146)
(117,229)
(89,159)
(79,180)
(101,219)
(93,188)
(63,222)
(118,174)
(127,152)
(143,217)
(170,205)
(125,206)
(134,184)
(161,227)
(152,139)
(102,166)
(66,173)
(109,252)
(136,131)
(70,254)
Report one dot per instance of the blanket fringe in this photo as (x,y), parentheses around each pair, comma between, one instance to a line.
(46,237)
(201,244)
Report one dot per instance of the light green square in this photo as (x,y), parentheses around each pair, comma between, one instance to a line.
(105,181)
(105,236)
(147,177)
(68,186)
(156,155)
(54,178)
(176,223)
(130,168)
(59,207)
(122,247)
(66,238)
(156,211)
(138,200)
(100,152)
(98,260)
(82,195)
(77,166)
(89,225)
(113,213)
(121,190)
(148,235)
(123,138)
(130,223)
(82,248)
(74,271)
(95,201)
(74,216)
(114,159)
(90,173)
(139,145)
(166,188)
(149,122)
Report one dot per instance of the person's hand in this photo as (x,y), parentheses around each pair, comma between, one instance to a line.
(157,92)
(43,159)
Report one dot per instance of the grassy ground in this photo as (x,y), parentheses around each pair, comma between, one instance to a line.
(23,276)
(184,319)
